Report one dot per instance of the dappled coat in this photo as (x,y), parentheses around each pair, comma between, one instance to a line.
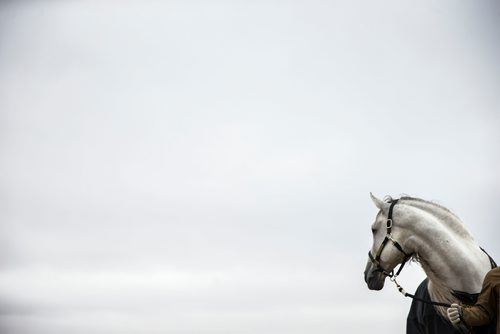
(423,318)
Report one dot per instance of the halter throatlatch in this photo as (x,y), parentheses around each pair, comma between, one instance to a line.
(388,237)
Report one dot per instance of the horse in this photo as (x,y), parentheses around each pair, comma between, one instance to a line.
(413,229)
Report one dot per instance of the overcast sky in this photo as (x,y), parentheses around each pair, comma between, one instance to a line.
(205,166)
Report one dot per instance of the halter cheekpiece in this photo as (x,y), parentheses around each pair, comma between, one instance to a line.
(388,237)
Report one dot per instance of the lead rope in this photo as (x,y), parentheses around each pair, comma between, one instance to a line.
(406,294)
(430,302)
(462,329)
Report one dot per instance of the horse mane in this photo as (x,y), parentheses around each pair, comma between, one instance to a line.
(416,199)
(443,212)
(405,197)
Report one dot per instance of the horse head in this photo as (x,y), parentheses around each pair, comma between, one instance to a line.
(388,249)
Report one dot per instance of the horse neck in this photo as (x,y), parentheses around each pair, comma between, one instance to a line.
(446,250)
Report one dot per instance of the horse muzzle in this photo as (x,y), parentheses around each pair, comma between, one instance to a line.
(374,279)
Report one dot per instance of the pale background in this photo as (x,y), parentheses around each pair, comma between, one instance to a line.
(192,167)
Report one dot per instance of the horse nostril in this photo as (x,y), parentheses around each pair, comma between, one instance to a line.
(368,273)
(367,277)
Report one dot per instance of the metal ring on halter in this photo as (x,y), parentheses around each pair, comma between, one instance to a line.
(389,223)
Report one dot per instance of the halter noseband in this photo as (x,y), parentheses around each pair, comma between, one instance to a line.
(388,237)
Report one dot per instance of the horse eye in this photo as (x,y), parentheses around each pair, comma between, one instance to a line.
(374,230)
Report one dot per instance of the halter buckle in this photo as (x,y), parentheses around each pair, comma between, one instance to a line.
(389,223)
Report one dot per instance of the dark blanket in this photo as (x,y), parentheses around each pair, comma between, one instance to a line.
(423,318)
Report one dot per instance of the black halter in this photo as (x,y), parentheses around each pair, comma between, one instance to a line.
(388,237)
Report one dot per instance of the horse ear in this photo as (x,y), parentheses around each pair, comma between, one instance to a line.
(378,202)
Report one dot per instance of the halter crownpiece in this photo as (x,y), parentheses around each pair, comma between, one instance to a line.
(388,199)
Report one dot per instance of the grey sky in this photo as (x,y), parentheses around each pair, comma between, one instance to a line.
(205,167)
